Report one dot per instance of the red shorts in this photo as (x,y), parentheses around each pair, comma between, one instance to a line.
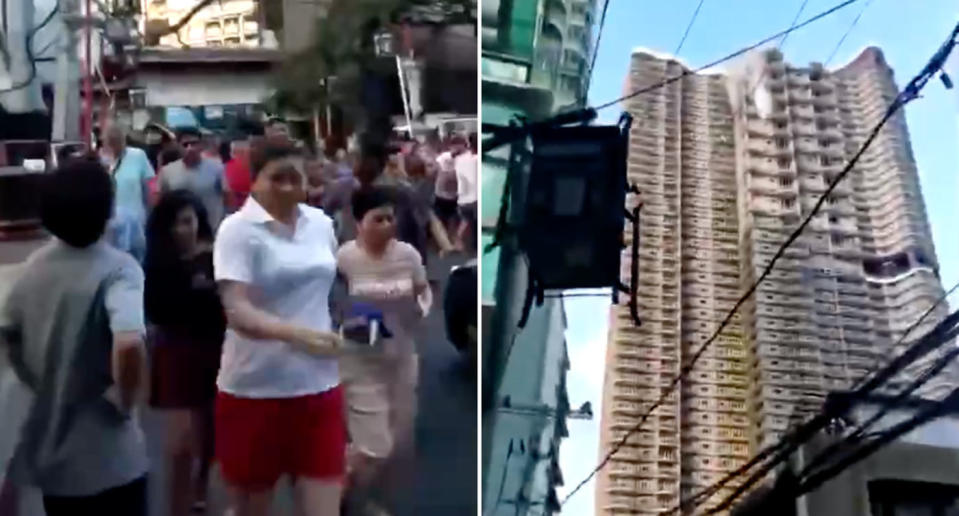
(260,440)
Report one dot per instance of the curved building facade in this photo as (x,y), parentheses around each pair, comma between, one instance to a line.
(725,179)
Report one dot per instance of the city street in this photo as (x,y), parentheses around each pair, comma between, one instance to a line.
(445,479)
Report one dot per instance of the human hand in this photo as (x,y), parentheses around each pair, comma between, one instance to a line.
(316,342)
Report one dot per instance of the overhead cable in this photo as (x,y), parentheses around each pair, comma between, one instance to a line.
(689,26)
(599,37)
(507,136)
(941,334)
(29,50)
(704,494)
(855,21)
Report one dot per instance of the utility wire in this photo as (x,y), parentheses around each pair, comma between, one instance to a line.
(599,37)
(857,435)
(924,416)
(769,450)
(505,137)
(29,50)
(909,93)
(762,74)
(721,60)
(802,7)
(175,28)
(916,324)
(689,27)
(941,334)
(851,26)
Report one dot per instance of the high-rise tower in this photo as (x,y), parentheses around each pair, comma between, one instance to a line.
(725,179)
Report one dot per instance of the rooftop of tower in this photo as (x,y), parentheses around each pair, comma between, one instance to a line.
(865,57)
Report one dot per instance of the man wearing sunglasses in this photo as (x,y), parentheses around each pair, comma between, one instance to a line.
(202,176)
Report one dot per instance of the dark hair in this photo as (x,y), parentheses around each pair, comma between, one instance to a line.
(261,155)
(183,132)
(370,164)
(161,249)
(76,202)
(370,198)
(224,151)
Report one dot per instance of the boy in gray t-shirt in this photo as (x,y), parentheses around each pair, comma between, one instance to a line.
(73,327)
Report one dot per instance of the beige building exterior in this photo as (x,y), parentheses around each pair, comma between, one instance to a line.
(225,23)
(725,178)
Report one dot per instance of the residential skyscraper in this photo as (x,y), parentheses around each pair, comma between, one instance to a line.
(728,165)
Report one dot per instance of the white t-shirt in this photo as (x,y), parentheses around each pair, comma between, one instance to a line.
(446,182)
(290,274)
(466,173)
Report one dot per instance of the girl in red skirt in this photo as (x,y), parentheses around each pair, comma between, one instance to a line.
(182,303)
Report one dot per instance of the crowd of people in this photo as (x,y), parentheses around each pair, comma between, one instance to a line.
(265,298)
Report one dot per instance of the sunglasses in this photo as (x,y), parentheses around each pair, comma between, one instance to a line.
(190,144)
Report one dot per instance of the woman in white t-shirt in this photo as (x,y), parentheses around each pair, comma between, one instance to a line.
(279,409)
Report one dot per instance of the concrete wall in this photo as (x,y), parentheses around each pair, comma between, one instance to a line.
(848,494)
(204,87)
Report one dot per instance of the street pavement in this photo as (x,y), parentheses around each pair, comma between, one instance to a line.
(445,477)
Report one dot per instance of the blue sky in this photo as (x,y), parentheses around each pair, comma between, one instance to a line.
(907,32)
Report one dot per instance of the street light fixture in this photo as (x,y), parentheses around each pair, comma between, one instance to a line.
(384,44)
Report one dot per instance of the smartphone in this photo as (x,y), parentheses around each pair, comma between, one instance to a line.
(363,326)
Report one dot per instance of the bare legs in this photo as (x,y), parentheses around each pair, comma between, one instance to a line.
(312,497)
(189,438)
(315,497)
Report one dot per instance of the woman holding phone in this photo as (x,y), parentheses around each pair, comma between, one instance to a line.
(279,409)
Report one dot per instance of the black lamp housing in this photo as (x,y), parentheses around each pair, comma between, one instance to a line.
(573,216)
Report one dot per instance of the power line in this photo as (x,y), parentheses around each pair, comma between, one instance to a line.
(766,452)
(802,7)
(599,37)
(721,60)
(689,27)
(860,432)
(949,403)
(762,74)
(941,334)
(507,136)
(30,57)
(909,93)
(851,26)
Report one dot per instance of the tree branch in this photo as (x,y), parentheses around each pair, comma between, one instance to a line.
(175,28)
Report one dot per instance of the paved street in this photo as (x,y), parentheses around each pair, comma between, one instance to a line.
(445,479)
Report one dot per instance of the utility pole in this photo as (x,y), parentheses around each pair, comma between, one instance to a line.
(66,103)
(87,124)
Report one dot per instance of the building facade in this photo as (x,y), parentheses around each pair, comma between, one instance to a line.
(226,23)
(728,166)
(525,73)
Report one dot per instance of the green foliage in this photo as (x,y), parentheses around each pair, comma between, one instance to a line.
(342,47)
